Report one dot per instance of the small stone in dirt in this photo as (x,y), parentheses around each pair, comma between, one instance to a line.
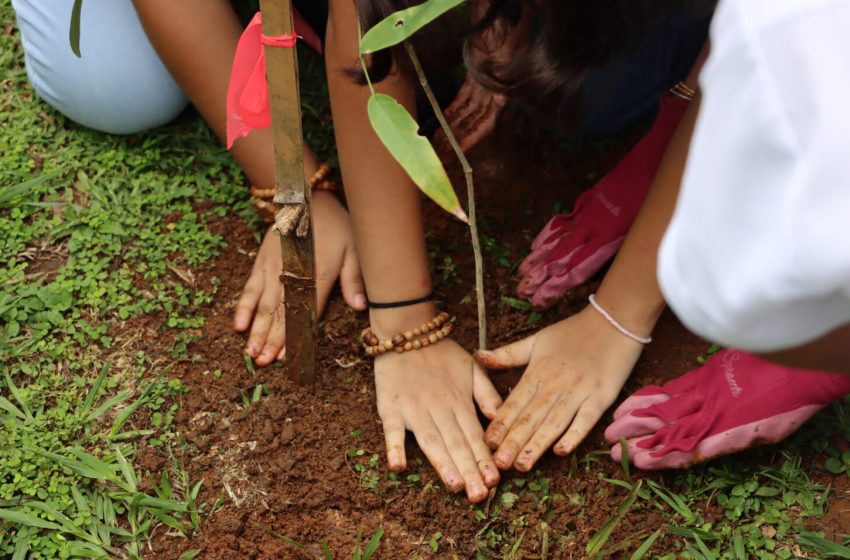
(287,433)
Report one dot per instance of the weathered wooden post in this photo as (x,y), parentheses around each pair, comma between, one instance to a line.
(292,198)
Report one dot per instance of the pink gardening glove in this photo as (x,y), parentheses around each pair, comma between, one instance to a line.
(248,91)
(572,247)
(734,402)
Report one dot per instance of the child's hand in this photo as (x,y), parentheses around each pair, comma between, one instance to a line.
(473,114)
(576,369)
(260,305)
(430,392)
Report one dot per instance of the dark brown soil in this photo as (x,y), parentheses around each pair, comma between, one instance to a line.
(281,465)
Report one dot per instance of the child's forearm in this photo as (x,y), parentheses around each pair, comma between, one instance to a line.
(385,205)
(196,39)
(630,290)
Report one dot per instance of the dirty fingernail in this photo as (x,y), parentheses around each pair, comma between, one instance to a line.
(503,458)
(477,490)
(493,437)
(360,300)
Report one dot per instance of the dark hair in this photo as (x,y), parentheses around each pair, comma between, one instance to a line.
(567,39)
(570,37)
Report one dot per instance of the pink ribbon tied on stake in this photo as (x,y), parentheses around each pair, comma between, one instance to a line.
(248,91)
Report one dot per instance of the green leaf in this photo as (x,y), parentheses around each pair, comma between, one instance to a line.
(400,25)
(326,550)
(834,465)
(825,548)
(125,414)
(647,544)
(400,134)
(508,499)
(515,303)
(596,544)
(27,520)
(22,545)
(109,404)
(738,549)
(373,545)
(66,522)
(95,389)
(74,32)
(127,470)
(9,407)
(157,503)
(189,554)
(18,397)
(8,195)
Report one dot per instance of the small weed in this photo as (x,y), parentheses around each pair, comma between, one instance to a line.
(499,252)
(434,542)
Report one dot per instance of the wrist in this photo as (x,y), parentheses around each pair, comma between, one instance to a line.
(388,322)
(637,316)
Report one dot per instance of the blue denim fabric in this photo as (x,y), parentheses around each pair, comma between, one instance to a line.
(627,89)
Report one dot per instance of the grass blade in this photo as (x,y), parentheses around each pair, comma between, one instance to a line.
(7,405)
(647,544)
(125,414)
(285,539)
(823,547)
(326,550)
(18,397)
(108,404)
(95,389)
(22,544)
(373,545)
(27,520)
(597,543)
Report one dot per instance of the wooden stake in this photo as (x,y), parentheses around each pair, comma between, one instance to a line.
(292,197)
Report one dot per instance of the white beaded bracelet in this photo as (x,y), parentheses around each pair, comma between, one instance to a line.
(615,324)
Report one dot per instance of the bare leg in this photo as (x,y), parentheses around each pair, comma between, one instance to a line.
(197,39)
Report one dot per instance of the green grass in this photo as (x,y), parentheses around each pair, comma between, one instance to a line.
(760,502)
(96,230)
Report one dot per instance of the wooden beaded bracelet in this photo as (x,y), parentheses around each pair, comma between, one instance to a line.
(262,197)
(432,338)
(430,332)
(319,180)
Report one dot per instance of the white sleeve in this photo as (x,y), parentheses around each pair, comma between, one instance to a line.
(757,254)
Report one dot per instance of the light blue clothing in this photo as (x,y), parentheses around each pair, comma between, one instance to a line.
(119,86)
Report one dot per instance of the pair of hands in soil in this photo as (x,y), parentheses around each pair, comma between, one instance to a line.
(552,402)
(475,111)
(432,392)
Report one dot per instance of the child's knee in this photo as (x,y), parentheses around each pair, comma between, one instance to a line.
(119,85)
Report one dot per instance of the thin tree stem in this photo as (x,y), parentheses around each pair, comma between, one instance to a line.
(470,193)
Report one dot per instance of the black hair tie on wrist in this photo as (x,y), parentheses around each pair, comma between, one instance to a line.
(405,303)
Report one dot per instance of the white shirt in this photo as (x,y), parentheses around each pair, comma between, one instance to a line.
(758,252)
